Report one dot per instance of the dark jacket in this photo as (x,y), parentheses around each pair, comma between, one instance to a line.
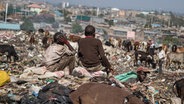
(91,52)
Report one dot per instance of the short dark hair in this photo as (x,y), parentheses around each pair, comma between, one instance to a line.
(141,75)
(89,30)
(57,37)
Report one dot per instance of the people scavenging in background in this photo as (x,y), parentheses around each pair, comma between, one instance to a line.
(45,40)
(91,53)
(60,54)
(161,56)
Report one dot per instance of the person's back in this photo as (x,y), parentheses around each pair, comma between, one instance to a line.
(91,52)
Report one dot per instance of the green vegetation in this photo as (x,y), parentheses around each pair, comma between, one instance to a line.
(76,28)
(148,25)
(140,15)
(101,15)
(10,9)
(110,22)
(67,19)
(66,14)
(27,25)
(44,17)
(13,8)
(170,40)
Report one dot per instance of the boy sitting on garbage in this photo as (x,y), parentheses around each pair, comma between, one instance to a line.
(91,53)
(60,54)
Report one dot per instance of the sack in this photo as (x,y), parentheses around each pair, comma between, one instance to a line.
(29,99)
(54,93)
(4,77)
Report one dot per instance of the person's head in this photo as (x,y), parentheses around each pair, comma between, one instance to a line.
(160,48)
(59,38)
(141,75)
(90,30)
(46,33)
(41,30)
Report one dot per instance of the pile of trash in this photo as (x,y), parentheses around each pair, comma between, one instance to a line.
(22,82)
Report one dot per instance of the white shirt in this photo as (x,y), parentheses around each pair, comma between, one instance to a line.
(152,45)
(55,52)
(128,58)
(161,54)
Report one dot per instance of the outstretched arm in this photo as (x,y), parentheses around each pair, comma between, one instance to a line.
(65,41)
(104,59)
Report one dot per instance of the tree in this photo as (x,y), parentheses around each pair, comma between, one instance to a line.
(13,8)
(76,28)
(87,12)
(111,23)
(66,15)
(18,9)
(44,17)
(101,15)
(2,14)
(10,9)
(27,25)
(140,15)
(148,25)
(170,40)
(94,12)
(65,12)
(149,22)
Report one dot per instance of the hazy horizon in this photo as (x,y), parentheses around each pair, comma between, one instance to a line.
(159,5)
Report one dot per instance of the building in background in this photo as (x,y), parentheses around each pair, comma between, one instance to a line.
(65,4)
(35,8)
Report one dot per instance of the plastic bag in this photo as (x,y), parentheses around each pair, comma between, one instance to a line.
(4,77)
(125,76)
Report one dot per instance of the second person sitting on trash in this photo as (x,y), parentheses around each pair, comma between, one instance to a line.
(60,54)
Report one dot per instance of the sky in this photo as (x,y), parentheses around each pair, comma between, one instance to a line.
(166,5)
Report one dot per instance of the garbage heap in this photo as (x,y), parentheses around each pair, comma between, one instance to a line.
(157,89)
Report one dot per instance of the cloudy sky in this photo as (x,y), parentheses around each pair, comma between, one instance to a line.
(168,5)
